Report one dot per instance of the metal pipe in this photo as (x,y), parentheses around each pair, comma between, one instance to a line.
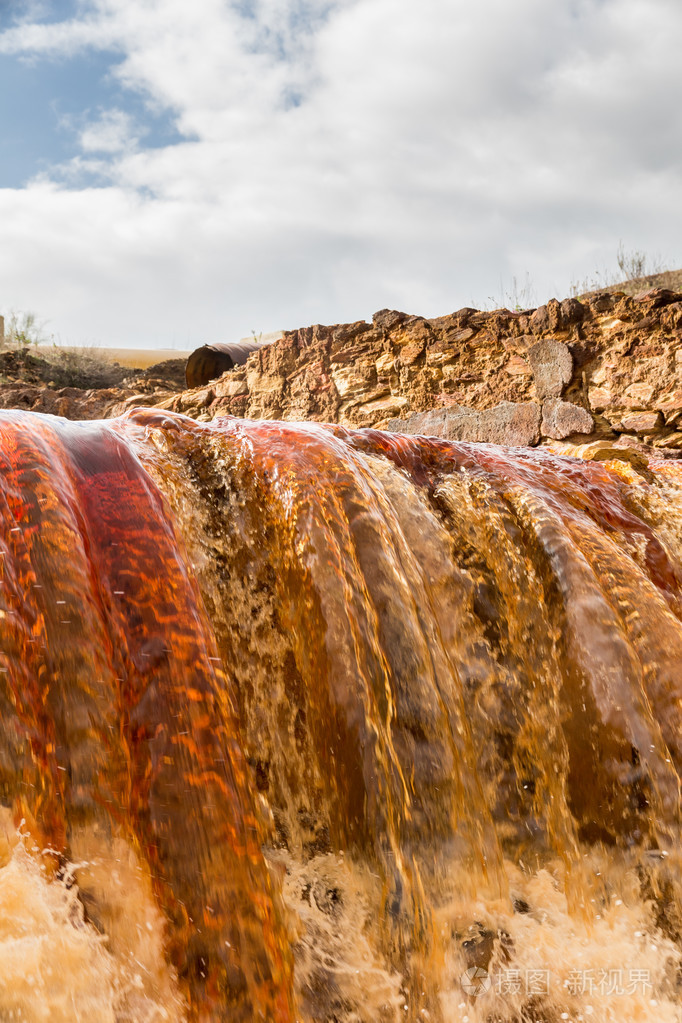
(210,361)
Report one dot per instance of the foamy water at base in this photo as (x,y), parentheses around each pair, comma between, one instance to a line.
(608,963)
(611,966)
(54,966)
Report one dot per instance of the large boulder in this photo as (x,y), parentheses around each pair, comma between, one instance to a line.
(514,424)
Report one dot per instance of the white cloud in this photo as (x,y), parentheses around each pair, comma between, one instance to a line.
(112,132)
(56,39)
(341,156)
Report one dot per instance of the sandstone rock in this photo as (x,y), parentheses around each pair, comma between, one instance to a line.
(203,397)
(228,387)
(572,311)
(453,423)
(509,423)
(671,440)
(345,333)
(670,405)
(474,360)
(518,366)
(546,318)
(601,451)
(520,344)
(412,330)
(552,365)
(351,381)
(671,317)
(561,419)
(385,363)
(601,302)
(658,297)
(411,352)
(441,353)
(387,319)
(391,405)
(641,422)
(600,398)
(639,395)
(263,383)
(612,323)
(462,335)
(350,354)
(620,357)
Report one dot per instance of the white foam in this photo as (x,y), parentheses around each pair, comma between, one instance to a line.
(54,966)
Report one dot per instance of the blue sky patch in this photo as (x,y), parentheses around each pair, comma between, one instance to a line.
(45,102)
(45,12)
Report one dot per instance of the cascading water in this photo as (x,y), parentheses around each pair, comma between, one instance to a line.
(300,723)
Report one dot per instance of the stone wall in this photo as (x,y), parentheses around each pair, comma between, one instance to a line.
(608,367)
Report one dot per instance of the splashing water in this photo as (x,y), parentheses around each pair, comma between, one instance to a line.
(325,725)
(55,967)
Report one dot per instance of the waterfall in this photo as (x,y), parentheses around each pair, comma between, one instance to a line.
(299,723)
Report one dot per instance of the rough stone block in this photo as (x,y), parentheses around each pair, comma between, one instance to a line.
(513,424)
(385,363)
(552,365)
(658,297)
(518,367)
(351,381)
(670,440)
(561,419)
(601,302)
(411,353)
(229,387)
(670,405)
(452,423)
(572,311)
(263,383)
(642,422)
(639,394)
(389,406)
(546,317)
(203,398)
(387,319)
(600,398)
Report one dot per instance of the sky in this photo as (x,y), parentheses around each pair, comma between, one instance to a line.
(173,173)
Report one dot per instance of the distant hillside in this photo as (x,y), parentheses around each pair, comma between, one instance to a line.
(670,279)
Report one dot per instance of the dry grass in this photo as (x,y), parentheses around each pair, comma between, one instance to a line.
(86,367)
(671,279)
(129,358)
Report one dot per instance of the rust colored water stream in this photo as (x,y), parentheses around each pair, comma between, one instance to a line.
(318,720)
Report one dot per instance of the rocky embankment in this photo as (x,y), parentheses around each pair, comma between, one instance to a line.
(606,369)
(81,385)
(579,375)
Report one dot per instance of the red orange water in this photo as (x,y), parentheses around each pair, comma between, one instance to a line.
(353,710)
